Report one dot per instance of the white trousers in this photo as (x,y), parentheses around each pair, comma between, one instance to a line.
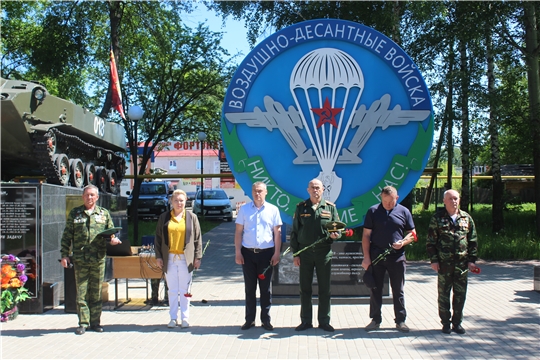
(178,280)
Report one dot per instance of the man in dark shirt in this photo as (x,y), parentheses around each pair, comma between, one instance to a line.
(385,226)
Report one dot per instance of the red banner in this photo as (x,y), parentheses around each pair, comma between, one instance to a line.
(116,94)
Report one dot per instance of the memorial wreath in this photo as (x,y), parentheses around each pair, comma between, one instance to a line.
(13,290)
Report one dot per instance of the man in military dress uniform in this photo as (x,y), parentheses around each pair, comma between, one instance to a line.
(309,225)
(81,238)
(452,247)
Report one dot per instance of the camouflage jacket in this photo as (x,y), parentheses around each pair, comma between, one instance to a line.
(80,234)
(449,241)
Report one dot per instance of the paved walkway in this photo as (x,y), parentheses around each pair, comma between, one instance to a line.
(502,319)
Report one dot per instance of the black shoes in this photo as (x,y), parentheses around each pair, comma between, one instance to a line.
(458,329)
(80,330)
(326,327)
(249,325)
(303,326)
(267,326)
(373,325)
(97,328)
(446,329)
(401,326)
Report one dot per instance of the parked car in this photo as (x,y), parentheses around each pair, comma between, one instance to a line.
(190,197)
(154,198)
(217,205)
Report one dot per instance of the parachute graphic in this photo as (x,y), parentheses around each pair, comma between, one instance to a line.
(327,84)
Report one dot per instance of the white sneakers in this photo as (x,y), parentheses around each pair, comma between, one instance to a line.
(172,324)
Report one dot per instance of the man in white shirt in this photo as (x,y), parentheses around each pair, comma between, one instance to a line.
(257,241)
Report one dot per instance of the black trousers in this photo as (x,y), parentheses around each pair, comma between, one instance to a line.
(396,272)
(254,265)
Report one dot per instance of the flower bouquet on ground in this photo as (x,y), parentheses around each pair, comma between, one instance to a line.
(13,292)
(188,294)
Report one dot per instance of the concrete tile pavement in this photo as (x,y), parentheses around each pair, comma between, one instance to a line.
(502,319)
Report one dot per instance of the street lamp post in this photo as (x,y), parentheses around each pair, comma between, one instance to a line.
(202,137)
(135,113)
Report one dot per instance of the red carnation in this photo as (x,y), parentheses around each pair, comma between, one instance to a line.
(188,295)
(414,236)
(476,270)
(262,277)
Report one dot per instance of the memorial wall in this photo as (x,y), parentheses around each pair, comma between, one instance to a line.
(33,217)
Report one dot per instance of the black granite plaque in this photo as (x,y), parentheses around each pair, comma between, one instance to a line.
(346,277)
(18,214)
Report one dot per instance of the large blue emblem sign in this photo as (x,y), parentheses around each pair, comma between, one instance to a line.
(333,100)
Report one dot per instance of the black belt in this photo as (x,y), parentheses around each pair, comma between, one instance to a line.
(257,250)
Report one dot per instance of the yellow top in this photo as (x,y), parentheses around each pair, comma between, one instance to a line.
(177,234)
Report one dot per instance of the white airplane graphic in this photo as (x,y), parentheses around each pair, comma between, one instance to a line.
(289,121)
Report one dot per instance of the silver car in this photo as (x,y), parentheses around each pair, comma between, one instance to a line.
(217,205)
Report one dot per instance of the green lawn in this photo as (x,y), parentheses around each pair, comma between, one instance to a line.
(517,242)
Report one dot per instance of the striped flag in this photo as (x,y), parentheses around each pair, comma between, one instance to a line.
(116,94)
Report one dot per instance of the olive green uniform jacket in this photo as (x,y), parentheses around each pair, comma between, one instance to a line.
(310,225)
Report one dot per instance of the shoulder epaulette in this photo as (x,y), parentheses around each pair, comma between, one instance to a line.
(301,203)
(330,203)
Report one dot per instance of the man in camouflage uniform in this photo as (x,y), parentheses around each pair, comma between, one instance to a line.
(89,252)
(452,247)
(309,225)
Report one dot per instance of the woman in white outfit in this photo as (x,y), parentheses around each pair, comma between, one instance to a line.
(178,245)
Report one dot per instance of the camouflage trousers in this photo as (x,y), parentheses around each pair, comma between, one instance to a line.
(452,277)
(89,278)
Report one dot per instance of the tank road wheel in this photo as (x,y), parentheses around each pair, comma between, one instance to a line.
(101,175)
(61,162)
(90,174)
(112,184)
(77,172)
(121,167)
(51,142)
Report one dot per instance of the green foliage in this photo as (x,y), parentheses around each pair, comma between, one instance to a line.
(518,241)
(11,297)
(441,177)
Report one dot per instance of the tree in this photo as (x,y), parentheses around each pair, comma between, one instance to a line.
(497,184)
(525,14)
(178,79)
(176,74)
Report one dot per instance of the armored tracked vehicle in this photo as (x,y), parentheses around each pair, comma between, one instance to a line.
(52,138)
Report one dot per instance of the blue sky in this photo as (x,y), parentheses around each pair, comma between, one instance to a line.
(234,32)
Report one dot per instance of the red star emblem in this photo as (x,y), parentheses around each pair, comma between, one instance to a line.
(327,114)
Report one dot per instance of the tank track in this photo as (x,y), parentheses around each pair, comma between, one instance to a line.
(73,147)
